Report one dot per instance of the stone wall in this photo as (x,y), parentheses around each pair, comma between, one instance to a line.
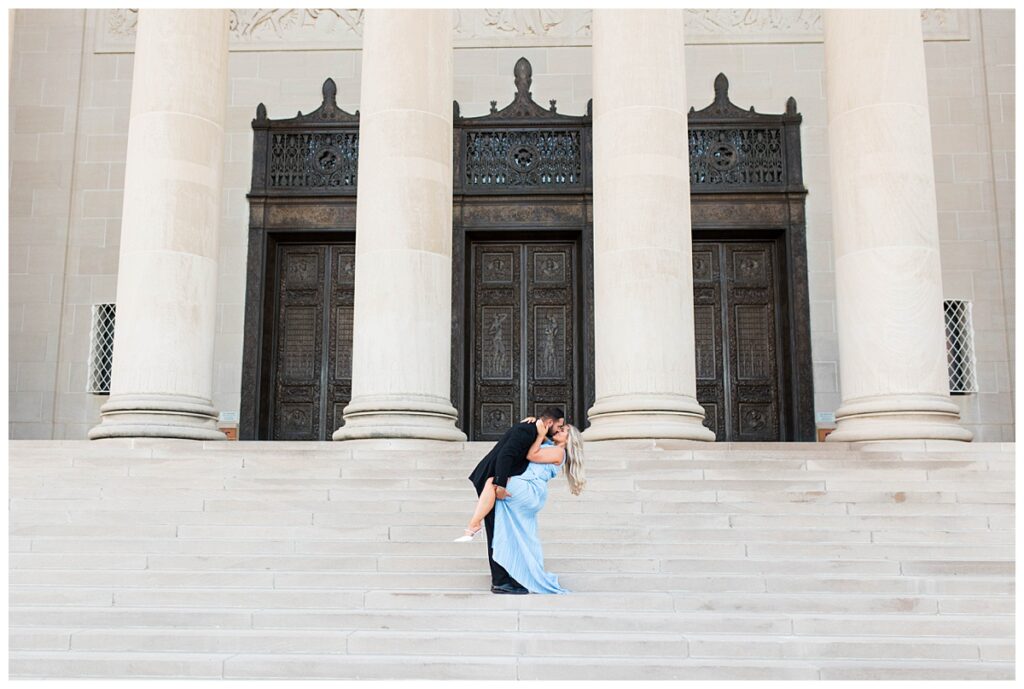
(971,93)
(69,136)
(45,243)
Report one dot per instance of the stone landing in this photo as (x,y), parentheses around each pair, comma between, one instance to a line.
(232,560)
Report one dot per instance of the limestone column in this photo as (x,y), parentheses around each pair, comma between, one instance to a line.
(892,343)
(162,377)
(643,276)
(401,348)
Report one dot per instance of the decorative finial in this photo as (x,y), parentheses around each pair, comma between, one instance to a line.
(261,112)
(553,108)
(791,106)
(455,110)
(494,106)
(590,107)
(524,76)
(330,91)
(721,89)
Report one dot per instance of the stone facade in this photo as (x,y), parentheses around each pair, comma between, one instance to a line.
(70,101)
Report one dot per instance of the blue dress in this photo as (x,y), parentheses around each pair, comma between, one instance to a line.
(516,545)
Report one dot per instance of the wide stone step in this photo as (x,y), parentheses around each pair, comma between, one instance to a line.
(760,669)
(698,603)
(347,578)
(540,644)
(343,666)
(538,620)
(364,642)
(600,459)
(276,515)
(481,599)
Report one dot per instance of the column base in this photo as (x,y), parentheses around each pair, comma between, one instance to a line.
(902,417)
(400,417)
(647,417)
(157,416)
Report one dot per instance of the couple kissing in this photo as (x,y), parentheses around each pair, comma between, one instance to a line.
(512,485)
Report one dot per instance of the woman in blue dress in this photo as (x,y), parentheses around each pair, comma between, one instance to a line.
(516,546)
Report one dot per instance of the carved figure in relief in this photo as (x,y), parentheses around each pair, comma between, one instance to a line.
(498,270)
(299,271)
(749,267)
(512,486)
(549,358)
(515,23)
(352,19)
(550,267)
(296,420)
(289,23)
(251,22)
(496,419)
(496,330)
(755,420)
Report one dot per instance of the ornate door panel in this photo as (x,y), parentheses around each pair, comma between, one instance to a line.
(312,338)
(736,322)
(339,339)
(523,324)
(708,339)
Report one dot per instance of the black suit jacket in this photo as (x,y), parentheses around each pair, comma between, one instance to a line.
(507,457)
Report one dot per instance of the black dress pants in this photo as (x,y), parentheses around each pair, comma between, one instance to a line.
(498,574)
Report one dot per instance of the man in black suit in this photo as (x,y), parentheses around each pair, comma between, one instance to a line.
(508,458)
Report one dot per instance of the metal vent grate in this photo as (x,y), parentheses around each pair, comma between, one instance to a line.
(960,347)
(101,348)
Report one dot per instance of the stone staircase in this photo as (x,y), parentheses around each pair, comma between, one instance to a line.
(334,560)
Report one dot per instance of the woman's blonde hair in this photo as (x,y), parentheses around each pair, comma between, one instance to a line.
(574,471)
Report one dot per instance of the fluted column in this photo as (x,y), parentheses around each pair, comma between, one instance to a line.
(162,377)
(643,281)
(401,350)
(892,343)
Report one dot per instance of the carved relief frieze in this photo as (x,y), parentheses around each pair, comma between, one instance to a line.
(311,216)
(341,29)
(483,28)
(253,29)
(512,214)
(709,214)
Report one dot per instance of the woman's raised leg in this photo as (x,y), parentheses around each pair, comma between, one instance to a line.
(483,507)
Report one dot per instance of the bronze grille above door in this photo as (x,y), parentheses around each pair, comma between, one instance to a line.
(524,322)
(312,364)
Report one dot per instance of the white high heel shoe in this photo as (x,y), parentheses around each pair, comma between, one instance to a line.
(470,535)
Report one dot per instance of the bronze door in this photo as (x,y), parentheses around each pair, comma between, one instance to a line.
(312,359)
(524,331)
(736,317)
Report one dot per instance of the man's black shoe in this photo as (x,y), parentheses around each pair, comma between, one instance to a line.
(509,588)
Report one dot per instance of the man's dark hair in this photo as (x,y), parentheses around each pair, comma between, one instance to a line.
(553,413)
